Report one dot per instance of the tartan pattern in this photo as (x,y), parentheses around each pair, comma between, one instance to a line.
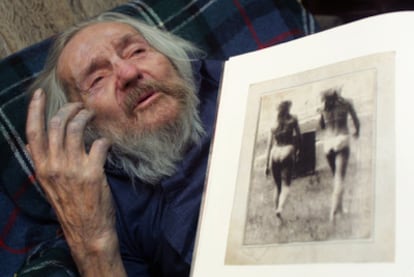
(221,27)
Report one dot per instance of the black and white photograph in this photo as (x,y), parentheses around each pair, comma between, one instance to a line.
(312,172)
(311,178)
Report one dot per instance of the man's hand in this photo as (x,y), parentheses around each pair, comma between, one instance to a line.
(75,184)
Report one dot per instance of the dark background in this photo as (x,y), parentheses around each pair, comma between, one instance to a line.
(330,13)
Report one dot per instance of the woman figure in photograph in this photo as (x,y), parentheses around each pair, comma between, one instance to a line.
(283,146)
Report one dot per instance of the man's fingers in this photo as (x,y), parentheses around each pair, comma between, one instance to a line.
(75,130)
(35,126)
(99,151)
(57,127)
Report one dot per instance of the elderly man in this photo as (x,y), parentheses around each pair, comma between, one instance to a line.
(122,157)
(333,119)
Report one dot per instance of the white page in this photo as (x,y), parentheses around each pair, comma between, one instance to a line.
(391,32)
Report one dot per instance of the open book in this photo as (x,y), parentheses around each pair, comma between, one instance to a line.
(369,63)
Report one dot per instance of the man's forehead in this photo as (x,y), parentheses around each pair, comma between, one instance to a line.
(84,45)
(103,32)
(107,28)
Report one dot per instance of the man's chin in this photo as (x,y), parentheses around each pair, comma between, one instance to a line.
(150,152)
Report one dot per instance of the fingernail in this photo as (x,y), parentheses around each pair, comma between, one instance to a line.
(37,93)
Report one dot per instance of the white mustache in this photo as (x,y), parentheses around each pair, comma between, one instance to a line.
(143,90)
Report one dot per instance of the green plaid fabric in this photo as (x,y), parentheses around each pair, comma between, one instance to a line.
(221,27)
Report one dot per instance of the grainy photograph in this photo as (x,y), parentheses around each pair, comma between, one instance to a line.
(311,181)
(312,173)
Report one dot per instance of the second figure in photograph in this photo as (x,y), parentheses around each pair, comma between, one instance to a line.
(333,120)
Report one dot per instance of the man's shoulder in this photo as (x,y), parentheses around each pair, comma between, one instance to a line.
(212,69)
(207,79)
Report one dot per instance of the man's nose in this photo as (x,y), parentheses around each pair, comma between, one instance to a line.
(128,74)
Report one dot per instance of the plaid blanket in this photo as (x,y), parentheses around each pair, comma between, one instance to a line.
(221,28)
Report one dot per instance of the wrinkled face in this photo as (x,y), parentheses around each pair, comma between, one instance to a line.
(115,72)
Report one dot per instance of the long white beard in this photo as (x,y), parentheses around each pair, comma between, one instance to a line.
(152,155)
